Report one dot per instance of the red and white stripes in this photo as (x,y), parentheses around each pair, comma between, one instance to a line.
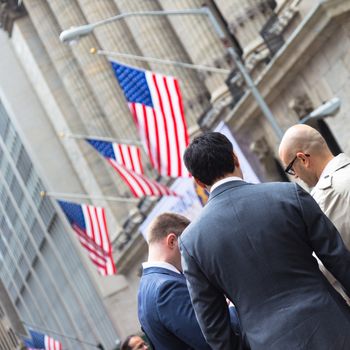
(163,128)
(96,239)
(52,344)
(129,156)
(140,185)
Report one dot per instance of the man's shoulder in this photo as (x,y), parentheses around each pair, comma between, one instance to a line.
(156,281)
(337,181)
(268,186)
(254,193)
(204,221)
(340,167)
(342,175)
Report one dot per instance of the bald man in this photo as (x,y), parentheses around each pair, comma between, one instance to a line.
(306,155)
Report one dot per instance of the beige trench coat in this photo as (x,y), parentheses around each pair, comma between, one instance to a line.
(332,193)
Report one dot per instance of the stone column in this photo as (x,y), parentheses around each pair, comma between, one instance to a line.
(115,36)
(156,38)
(95,174)
(199,39)
(68,69)
(96,69)
(245,19)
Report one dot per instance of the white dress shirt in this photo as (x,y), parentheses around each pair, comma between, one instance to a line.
(223,181)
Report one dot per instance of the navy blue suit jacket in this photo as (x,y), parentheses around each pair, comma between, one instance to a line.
(166,313)
(254,244)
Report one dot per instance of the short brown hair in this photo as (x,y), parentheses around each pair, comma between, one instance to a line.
(125,345)
(164,224)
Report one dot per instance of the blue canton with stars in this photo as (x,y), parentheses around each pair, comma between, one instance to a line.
(74,213)
(103,147)
(36,342)
(133,83)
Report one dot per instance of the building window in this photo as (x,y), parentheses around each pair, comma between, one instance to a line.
(8,174)
(10,210)
(23,266)
(46,211)
(2,247)
(12,336)
(24,165)
(15,147)
(27,213)
(37,232)
(18,280)
(16,191)
(4,121)
(10,138)
(2,314)
(3,164)
(12,291)
(29,249)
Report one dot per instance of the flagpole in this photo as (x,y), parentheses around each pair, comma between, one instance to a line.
(101,138)
(57,333)
(85,196)
(75,33)
(161,61)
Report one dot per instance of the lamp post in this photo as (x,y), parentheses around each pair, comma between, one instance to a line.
(327,109)
(75,33)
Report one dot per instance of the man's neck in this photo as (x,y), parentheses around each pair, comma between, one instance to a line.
(158,255)
(161,264)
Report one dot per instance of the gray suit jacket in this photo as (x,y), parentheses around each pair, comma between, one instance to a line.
(254,244)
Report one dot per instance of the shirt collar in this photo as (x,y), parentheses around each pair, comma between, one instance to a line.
(161,264)
(223,181)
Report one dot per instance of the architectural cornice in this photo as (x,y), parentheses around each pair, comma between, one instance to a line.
(10,10)
(311,33)
(135,248)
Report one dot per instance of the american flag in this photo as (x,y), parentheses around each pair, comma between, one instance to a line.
(40,341)
(89,223)
(138,184)
(127,155)
(156,104)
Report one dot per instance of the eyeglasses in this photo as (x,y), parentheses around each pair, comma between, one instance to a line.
(289,169)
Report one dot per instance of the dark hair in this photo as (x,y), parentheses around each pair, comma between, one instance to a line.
(166,223)
(209,157)
(125,345)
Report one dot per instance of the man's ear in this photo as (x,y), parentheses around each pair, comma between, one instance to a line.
(200,183)
(171,240)
(304,159)
(235,160)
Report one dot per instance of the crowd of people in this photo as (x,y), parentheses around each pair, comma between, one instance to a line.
(264,266)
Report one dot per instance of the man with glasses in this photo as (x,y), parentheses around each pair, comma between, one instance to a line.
(253,243)
(310,159)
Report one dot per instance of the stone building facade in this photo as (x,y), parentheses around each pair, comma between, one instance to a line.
(295,50)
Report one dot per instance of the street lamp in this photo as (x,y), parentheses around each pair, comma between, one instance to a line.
(75,33)
(327,109)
